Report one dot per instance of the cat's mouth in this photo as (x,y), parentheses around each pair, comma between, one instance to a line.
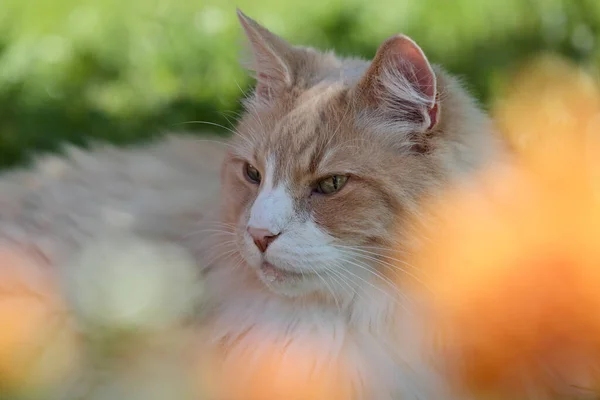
(274,274)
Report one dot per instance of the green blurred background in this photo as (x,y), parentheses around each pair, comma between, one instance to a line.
(127,70)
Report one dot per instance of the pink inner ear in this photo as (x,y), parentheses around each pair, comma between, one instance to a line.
(433,114)
(414,65)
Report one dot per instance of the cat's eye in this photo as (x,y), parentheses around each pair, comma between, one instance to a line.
(252,173)
(331,184)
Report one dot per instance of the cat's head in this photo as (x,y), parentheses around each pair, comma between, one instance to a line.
(332,153)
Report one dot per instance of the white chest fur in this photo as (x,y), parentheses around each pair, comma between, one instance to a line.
(367,351)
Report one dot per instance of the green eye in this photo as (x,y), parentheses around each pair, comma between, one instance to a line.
(331,184)
(252,173)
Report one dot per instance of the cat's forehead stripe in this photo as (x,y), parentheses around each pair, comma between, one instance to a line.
(302,138)
(268,181)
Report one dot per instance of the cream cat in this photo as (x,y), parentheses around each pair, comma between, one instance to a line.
(331,156)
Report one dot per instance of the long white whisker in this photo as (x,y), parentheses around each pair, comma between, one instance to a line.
(211,124)
(314,271)
(341,279)
(386,249)
(221,256)
(215,232)
(371,284)
(393,285)
(391,267)
(361,250)
(244,93)
(232,131)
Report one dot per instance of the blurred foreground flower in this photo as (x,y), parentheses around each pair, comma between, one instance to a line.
(280,370)
(38,344)
(548,104)
(134,300)
(124,333)
(129,285)
(512,260)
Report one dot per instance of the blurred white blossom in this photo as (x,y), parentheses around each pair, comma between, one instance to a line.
(124,283)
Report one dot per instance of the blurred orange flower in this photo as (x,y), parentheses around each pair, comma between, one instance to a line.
(279,371)
(512,259)
(37,345)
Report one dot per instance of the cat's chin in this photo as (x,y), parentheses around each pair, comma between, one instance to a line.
(285,282)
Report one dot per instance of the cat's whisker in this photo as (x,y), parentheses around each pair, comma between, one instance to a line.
(223,245)
(254,112)
(215,232)
(384,279)
(393,285)
(219,223)
(244,92)
(209,123)
(240,261)
(237,259)
(220,256)
(390,249)
(231,124)
(232,131)
(393,268)
(375,255)
(256,118)
(370,295)
(314,271)
(361,249)
(380,276)
(211,238)
(341,279)
(235,113)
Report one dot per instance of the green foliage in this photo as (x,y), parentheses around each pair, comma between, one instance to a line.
(123,71)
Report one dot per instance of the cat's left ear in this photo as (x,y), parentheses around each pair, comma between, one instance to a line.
(270,59)
(402,85)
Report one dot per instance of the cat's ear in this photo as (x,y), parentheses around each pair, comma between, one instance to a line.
(402,85)
(269,60)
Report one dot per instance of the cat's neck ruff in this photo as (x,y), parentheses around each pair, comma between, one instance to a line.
(373,340)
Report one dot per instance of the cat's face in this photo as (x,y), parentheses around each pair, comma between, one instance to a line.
(330,155)
(312,180)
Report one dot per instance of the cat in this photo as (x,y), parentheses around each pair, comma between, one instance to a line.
(332,154)
(330,157)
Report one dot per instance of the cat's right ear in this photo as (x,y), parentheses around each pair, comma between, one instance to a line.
(269,61)
(402,85)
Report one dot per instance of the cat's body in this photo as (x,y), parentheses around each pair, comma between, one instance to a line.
(160,190)
(332,156)
(401,130)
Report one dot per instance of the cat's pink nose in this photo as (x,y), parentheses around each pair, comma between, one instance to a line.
(262,237)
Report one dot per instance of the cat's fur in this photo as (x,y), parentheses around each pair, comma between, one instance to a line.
(401,129)
(398,127)
(159,190)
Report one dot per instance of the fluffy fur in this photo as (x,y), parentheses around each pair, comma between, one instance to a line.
(401,130)
(319,314)
(158,190)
